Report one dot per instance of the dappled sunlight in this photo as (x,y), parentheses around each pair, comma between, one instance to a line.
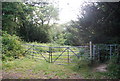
(60,39)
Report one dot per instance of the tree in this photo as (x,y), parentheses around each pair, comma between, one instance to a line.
(99,23)
(28,20)
(45,14)
(10,14)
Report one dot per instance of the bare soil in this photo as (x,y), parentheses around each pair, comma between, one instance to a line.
(100,68)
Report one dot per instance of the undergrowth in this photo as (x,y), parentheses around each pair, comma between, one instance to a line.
(11,47)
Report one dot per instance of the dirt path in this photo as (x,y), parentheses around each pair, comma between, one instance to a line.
(100,68)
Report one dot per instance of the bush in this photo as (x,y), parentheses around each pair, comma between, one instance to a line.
(59,38)
(82,59)
(114,68)
(11,47)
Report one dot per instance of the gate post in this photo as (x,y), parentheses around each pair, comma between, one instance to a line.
(110,51)
(33,52)
(90,50)
(94,49)
(50,55)
(98,51)
(68,55)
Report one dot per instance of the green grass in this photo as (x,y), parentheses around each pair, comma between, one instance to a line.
(29,68)
(38,69)
(41,69)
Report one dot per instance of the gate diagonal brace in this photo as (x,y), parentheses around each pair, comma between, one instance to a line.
(73,52)
(60,54)
(43,56)
(27,50)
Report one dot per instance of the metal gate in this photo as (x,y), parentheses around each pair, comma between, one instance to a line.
(58,55)
(72,54)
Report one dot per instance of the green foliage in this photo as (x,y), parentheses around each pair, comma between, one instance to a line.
(83,62)
(104,53)
(58,34)
(114,68)
(45,14)
(11,12)
(69,39)
(96,21)
(35,33)
(60,39)
(82,59)
(30,22)
(11,47)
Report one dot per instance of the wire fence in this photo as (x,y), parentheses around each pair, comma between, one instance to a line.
(105,52)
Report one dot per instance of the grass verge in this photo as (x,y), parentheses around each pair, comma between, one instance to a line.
(30,69)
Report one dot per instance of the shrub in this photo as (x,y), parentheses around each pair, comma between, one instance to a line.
(82,59)
(60,39)
(114,68)
(11,47)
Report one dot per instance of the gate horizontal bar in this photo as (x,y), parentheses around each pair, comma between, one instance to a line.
(62,51)
(55,47)
(41,50)
(60,62)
